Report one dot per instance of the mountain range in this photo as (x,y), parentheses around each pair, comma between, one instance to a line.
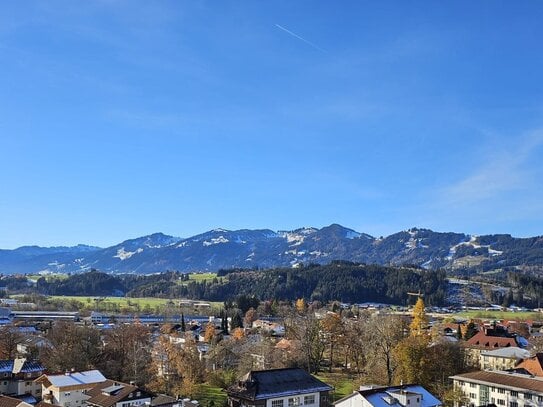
(264,248)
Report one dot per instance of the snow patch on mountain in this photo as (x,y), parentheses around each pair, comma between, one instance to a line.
(123,254)
(215,240)
(351,234)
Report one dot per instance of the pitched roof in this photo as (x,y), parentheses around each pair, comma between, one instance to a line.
(258,385)
(534,365)
(108,393)
(509,379)
(491,342)
(162,399)
(45,404)
(88,377)
(6,401)
(20,366)
(512,352)
(380,396)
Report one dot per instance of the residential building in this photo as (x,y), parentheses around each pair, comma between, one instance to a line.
(503,358)
(116,394)
(500,388)
(17,377)
(412,395)
(490,338)
(279,388)
(6,401)
(70,389)
(533,365)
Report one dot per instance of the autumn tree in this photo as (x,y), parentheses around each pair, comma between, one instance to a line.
(383,334)
(209,332)
(250,316)
(9,338)
(307,330)
(127,353)
(420,321)
(333,328)
(72,347)
(300,305)
(355,344)
(412,360)
(161,369)
(238,333)
(177,368)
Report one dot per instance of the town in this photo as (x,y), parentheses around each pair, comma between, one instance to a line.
(248,354)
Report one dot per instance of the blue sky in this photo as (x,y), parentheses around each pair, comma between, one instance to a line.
(123,118)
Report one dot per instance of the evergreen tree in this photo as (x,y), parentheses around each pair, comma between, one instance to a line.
(471,330)
(237,321)
(183,326)
(459,332)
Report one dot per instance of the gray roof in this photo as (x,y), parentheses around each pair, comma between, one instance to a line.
(381,396)
(264,384)
(76,378)
(511,352)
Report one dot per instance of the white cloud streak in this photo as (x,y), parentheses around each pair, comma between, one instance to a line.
(300,38)
(505,171)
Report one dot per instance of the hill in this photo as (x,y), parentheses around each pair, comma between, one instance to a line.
(220,248)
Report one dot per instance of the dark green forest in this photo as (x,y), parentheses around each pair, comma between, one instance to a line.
(337,281)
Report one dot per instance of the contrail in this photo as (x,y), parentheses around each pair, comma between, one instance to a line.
(300,38)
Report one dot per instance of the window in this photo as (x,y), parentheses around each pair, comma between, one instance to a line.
(293,401)
(277,403)
(67,394)
(514,393)
(501,391)
(527,396)
(472,385)
(472,395)
(28,383)
(501,402)
(309,399)
(513,404)
(540,399)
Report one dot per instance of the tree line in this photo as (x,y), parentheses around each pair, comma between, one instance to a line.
(339,280)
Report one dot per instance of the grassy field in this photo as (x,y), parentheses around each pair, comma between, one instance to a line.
(208,395)
(343,384)
(500,315)
(202,276)
(126,304)
(121,301)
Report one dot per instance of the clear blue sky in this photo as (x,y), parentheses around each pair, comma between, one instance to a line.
(123,118)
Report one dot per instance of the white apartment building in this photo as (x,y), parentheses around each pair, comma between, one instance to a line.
(504,389)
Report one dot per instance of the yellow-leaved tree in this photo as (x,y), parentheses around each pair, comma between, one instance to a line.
(419,324)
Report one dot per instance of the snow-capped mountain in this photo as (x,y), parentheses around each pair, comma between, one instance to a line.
(220,248)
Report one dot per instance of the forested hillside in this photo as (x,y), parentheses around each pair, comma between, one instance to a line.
(341,281)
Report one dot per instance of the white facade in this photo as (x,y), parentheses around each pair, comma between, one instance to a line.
(394,396)
(308,399)
(500,388)
(68,398)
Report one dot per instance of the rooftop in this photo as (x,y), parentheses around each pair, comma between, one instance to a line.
(258,385)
